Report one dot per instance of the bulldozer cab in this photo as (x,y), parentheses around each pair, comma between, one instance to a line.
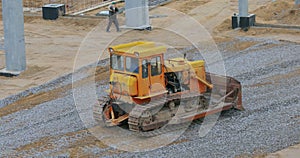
(137,69)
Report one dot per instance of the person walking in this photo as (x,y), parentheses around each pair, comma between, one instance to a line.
(112,17)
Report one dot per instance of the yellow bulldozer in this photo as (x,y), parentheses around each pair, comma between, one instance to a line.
(147,91)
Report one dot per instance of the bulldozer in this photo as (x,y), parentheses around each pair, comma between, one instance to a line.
(147,91)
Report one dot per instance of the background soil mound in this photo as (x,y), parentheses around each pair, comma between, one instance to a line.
(281,11)
(186,6)
(278,12)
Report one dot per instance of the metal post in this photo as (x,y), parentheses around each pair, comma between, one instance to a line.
(14,41)
(243,8)
(246,20)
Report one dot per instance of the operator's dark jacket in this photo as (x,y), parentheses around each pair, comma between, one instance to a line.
(113,11)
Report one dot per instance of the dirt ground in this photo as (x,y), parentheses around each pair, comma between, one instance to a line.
(55,48)
(279,12)
(52,46)
(71,5)
(291,152)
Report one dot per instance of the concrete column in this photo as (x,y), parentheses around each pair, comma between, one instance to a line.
(243,8)
(14,41)
(137,14)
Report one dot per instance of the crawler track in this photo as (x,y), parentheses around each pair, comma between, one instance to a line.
(152,125)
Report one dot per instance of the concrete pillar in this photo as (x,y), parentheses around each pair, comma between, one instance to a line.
(137,14)
(243,8)
(14,41)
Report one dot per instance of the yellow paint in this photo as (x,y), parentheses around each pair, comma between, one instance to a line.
(139,49)
(199,69)
(124,84)
(176,65)
(141,88)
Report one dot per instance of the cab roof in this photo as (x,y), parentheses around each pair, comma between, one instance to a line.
(139,49)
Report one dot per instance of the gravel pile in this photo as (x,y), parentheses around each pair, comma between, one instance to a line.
(271,96)
(268,71)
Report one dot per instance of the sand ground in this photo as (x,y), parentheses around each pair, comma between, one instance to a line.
(52,46)
(55,48)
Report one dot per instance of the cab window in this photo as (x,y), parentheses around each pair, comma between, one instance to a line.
(145,69)
(117,62)
(155,66)
(132,65)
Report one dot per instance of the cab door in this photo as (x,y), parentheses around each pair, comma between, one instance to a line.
(144,85)
(156,75)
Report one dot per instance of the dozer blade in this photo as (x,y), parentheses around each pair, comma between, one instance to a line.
(227,85)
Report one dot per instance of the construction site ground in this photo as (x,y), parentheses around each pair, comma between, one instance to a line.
(46,111)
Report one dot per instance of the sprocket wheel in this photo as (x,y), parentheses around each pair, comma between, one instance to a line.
(146,118)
